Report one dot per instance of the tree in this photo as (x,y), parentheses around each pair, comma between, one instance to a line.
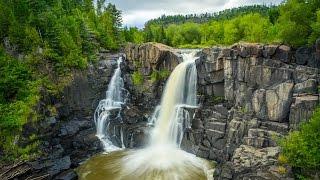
(295,22)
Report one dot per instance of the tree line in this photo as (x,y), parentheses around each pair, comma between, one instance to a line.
(294,22)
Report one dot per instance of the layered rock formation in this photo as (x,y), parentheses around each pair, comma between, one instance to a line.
(267,92)
(249,94)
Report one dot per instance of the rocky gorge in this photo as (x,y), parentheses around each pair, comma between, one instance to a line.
(249,95)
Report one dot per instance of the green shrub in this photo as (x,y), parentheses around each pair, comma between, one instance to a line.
(302,147)
(155,76)
(137,78)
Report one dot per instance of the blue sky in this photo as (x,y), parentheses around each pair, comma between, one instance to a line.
(137,12)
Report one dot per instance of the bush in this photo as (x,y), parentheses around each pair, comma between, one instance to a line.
(137,78)
(19,95)
(302,148)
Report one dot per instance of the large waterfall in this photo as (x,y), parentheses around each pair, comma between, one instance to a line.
(180,92)
(162,159)
(106,108)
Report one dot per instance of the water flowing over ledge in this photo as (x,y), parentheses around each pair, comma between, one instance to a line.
(106,108)
(162,158)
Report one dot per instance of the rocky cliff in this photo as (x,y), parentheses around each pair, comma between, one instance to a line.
(266,90)
(249,94)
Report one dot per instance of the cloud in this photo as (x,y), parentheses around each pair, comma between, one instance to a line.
(137,12)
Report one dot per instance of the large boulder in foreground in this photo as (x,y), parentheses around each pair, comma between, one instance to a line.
(152,56)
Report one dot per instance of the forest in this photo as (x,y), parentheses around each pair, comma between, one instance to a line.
(43,41)
(294,23)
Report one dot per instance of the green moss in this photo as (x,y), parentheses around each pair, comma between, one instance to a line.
(137,63)
(137,78)
(217,99)
(159,75)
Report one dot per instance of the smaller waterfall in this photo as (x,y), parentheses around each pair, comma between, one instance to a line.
(108,107)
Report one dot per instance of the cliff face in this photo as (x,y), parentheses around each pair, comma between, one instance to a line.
(248,95)
(267,91)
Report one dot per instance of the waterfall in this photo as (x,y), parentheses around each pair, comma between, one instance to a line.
(162,159)
(170,119)
(180,92)
(108,107)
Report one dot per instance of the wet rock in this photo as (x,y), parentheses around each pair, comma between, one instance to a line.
(67,175)
(133,115)
(203,152)
(60,164)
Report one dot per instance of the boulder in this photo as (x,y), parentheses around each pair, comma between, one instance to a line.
(278,100)
(67,175)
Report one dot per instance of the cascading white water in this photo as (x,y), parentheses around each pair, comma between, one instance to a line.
(162,159)
(112,103)
(180,92)
(170,119)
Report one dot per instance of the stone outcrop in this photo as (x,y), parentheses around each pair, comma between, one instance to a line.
(149,57)
(267,91)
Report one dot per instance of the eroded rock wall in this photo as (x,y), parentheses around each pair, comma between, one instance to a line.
(267,91)
(249,94)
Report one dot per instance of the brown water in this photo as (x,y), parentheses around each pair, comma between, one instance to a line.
(114,166)
(162,159)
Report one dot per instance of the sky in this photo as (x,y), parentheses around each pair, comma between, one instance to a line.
(137,12)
